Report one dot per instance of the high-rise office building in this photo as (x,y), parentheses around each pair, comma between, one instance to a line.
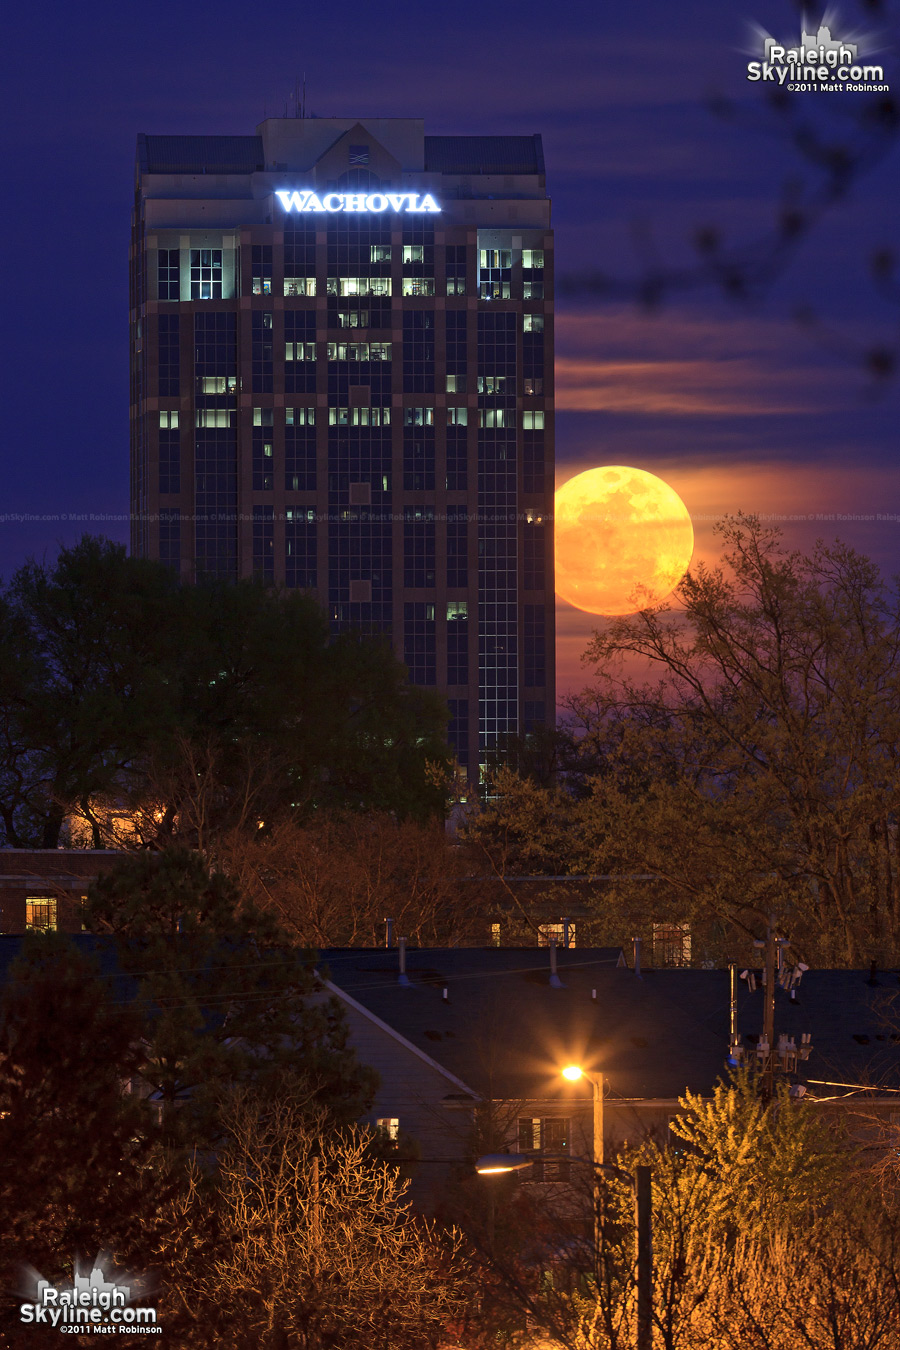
(342,380)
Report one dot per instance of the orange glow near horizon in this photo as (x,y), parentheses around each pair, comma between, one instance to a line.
(624,540)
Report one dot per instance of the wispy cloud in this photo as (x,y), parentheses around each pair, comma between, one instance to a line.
(620,361)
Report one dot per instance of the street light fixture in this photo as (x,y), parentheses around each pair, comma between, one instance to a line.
(493,1163)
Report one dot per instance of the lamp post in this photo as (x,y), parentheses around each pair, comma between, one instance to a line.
(640,1184)
(573,1073)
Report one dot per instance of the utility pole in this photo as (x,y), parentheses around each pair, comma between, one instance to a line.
(315,1231)
(644,1237)
(769,1019)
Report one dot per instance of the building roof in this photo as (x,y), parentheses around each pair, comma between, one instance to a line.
(245,154)
(484,154)
(504,1030)
(200,154)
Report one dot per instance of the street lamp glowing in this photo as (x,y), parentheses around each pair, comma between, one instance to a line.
(493,1163)
(572,1072)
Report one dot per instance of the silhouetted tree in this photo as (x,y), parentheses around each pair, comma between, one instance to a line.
(224,998)
(80,1168)
(187,710)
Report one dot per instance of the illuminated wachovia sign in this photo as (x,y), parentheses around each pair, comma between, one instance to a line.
(406,202)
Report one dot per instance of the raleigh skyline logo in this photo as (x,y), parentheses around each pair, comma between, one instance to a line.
(818,63)
(93,1303)
(406,202)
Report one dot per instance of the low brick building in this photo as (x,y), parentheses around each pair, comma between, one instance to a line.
(45,887)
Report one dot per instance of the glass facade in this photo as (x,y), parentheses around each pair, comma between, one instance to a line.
(358,403)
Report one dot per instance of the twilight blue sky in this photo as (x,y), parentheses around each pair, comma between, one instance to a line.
(737,406)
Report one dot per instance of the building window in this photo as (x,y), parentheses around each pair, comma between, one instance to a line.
(215,417)
(534,716)
(170,537)
(418,351)
(458,730)
(169,453)
(418,417)
(555,932)
(300,547)
(532,421)
(263,461)
(456,269)
(388,1127)
(534,664)
(261,261)
(419,651)
(359,417)
(261,351)
(299,285)
(379,253)
(457,642)
(418,285)
(534,571)
(457,547)
(532,323)
(358,286)
(300,351)
(671,944)
(300,452)
(168,274)
(40,913)
(264,542)
(549,1138)
(169,356)
(418,547)
(497,417)
(217,384)
(359,351)
(206,274)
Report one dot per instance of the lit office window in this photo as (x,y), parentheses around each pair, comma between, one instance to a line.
(206,274)
(300,351)
(358,286)
(418,417)
(418,285)
(40,913)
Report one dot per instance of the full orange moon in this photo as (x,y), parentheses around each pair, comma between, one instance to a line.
(624,540)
